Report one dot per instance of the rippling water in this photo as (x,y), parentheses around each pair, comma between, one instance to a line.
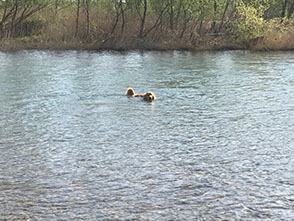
(216,145)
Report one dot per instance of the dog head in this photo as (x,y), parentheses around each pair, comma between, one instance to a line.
(149,96)
(130,92)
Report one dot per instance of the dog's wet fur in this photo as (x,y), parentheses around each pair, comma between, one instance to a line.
(148,96)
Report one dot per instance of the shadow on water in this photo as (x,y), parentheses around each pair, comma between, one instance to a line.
(216,144)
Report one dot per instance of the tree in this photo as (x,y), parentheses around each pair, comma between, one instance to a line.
(228,2)
(141,8)
(15,12)
(284,8)
(120,7)
(77,18)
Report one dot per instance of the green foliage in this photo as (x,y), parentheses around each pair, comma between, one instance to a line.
(275,28)
(248,23)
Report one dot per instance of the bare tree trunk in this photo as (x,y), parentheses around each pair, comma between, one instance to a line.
(77,19)
(193,28)
(123,18)
(157,22)
(283,14)
(180,6)
(12,25)
(1,23)
(223,16)
(184,25)
(116,18)
(119,11)
(86,6)
(143,19)
(214,16)
(56,6)
(171,15)
(201,24)
(5,16)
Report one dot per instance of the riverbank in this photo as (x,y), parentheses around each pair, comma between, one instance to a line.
(117,44)
(203,43)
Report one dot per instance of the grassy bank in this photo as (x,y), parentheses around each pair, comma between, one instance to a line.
(118,43)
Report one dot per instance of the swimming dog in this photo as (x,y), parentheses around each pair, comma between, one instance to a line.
(148,96)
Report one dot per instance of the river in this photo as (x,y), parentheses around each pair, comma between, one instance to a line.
(217,144)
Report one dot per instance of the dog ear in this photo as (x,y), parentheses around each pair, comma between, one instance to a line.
(130,92)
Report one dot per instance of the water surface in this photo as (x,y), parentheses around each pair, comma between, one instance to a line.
(217,144)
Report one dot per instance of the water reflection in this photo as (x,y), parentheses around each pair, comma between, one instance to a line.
(215,145)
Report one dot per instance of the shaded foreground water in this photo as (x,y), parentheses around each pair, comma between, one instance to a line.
(217,144)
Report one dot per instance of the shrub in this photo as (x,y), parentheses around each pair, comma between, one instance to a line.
(249,22)
(29,27)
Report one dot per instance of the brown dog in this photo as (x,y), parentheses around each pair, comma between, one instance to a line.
(148,96)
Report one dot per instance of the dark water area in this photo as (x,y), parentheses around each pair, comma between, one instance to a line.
(217,144)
